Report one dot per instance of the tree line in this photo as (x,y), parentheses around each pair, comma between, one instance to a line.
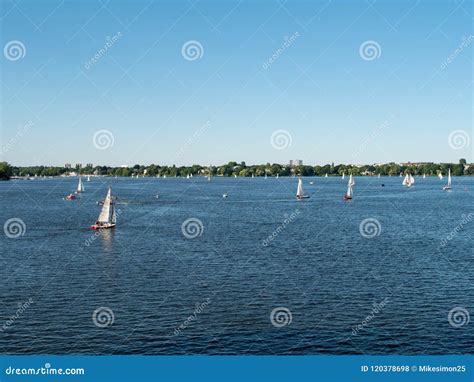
(242,169)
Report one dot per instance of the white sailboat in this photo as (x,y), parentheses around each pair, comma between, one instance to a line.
(108,216)
(378,176)
(349,192)
(448,186)
(299,192)
(440,175)
(265,176)
(326,175)
(408,181)
(343,175)
(187,176)
(80,186)
(88,178)
(278,175)
(424,176)
(209,174)
(253,176)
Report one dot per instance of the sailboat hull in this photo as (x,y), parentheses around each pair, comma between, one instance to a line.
(302,197)
(347,197)
(96,227)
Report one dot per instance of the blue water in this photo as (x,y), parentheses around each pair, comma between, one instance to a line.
(214,294)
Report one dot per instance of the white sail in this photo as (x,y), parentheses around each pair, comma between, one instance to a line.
(343,175)
(88,178)
(412,180)
(378,176)
(408,180)
(448,186)
(104,216)
(265,176)
(80,186)
(326,176)
(424,176)
(440,175)
(299,191)
(278,175)
(350,184)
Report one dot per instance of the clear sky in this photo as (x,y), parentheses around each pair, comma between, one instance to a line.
(397,100)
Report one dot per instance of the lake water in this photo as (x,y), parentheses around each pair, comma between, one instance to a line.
(332,290)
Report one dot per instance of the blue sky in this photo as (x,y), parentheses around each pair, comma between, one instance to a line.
(333,103)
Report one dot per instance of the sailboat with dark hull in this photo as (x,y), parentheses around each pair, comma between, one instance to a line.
(350,193)
(299,192)
(108,217)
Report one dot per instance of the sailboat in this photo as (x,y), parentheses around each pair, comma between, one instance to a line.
(209,174)
(80,186)
(424,176)
(440,175)
(408,181)
(300,193)
(88,178)
(278,175)
(187,176)
(326,175)
(349,192)
(265,176)
(107,217)
(448,186)
(343,175)
(378,176)
(253,176)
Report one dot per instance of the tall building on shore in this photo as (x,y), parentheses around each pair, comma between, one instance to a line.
(296,162)
(67,165)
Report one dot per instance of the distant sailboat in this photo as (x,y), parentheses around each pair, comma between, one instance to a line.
(209,174)
(278,175)
(88,178)
(448,186)
(187,176)
(378,176)
(235,176)
(440,175)
(326,175)
(343,175)
(424,176)
(265,176)
(349,192)
(299,192)
(408,181)
(107,217)
(80,186)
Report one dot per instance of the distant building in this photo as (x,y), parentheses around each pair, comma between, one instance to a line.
(67,165)
(296,162)
(89,165)
(78,166)
(409,164)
